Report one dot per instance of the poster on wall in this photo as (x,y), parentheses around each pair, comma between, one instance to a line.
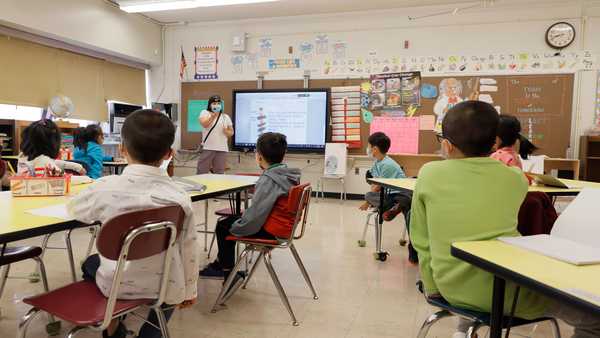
(195,107)
(275,64)
(237,64)
(346,116)
(395,90)
(265,45)
(206,62)
(339,51)
(322,44)
(402,131)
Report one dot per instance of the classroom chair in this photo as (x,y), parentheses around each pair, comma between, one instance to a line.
(479,319)
(372,221)
(131,236)
(14,254)
(298,201)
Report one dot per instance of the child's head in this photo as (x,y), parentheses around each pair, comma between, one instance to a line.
(147,136)
(270,149)
(41,138)
(215,104)
(379,144)
(509,129)
(91,133)
(469,130)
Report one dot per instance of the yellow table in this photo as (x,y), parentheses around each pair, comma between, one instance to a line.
(11,157)
(409,184)
(563,282)
(16,224)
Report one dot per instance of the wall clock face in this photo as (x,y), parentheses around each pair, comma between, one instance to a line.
(560,35)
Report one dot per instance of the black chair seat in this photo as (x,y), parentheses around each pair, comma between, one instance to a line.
(482,317)
(13,254)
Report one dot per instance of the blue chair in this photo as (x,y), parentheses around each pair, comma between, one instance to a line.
(479,319)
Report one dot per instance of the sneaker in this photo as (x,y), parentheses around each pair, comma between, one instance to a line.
(392,213)
(212,271)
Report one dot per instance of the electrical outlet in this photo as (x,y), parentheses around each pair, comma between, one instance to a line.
(356,171)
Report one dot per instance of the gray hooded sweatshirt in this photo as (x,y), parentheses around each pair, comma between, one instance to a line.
(272,184)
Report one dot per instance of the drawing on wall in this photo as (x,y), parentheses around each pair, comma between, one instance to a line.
(322,44)
(450,90)
(265,46)
(252,60)
(339,50)
(306,50)
(237,64)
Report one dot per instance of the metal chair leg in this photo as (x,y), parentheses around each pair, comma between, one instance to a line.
(279,287)
(303,270)
(253,269)
(162,322)
(3,278)
(94,234)
(25,321)
(363,241)
(555,328)
(212,243)
(205,224)
(70,254)
(227,285)
(472,331)
(74,331)
(432,320)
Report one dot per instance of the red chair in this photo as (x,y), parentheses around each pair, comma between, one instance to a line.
(127,237)
(298,202)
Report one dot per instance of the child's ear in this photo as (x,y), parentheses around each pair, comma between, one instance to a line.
(168,155)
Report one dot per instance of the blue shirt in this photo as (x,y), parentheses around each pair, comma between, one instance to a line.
(387,168)
(93,157)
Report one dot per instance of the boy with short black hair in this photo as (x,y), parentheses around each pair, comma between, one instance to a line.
(470,197)
(264,218)
(147,138)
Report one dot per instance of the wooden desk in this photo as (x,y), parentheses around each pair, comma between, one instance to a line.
(566,283)
(562,164)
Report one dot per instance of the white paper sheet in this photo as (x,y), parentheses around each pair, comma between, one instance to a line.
(487,88)
(556,247)
(534,164)
(580,222)
(55,211)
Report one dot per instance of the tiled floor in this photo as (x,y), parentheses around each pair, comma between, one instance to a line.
(359,297)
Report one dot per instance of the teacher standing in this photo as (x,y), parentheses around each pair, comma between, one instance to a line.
(218,128)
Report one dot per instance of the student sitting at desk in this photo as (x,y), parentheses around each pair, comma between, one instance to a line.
(147,139)
(266,217)
(40,148)
(472,197)
(383,167)
(88,149)
(4,181)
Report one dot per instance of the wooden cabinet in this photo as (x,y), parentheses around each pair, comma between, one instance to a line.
(7,137)
(589,154)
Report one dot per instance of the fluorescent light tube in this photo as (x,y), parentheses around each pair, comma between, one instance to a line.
(153,6)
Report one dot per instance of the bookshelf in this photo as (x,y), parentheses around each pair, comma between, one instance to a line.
(589,154)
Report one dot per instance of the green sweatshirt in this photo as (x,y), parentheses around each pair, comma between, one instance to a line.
(470,199)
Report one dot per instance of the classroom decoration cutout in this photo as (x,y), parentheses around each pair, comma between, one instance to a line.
(428,91)
(367,116)
(395,90)
(61,106)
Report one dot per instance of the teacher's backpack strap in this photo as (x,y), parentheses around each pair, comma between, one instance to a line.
(211,129)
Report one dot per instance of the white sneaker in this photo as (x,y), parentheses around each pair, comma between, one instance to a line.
(459,335)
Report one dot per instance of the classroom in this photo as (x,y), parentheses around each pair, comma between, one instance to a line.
(299,168)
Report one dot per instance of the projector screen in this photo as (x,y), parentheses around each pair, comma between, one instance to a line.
(300,114)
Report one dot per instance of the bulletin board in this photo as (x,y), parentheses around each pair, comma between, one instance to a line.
(543,104)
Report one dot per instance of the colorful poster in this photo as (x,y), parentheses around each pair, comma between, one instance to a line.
(275,64)
(322,44)
(237,63)
(306,50)
(346,115)
(206,63)
(339,50)
(402,131)
(195,107)
(394,90)
(265,45)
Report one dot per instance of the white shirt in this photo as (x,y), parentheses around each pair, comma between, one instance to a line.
(217,140)
(142,187)
(26,167)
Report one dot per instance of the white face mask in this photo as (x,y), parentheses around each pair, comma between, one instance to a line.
(444,150)
(165,164)
(370,152)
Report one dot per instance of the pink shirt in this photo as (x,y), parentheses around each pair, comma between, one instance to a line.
(508,156)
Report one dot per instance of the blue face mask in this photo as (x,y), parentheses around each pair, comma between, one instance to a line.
(216,108)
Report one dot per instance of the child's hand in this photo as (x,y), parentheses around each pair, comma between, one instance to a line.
(53,171)
(375,188)
(365,206)
(187,303)
(82,171)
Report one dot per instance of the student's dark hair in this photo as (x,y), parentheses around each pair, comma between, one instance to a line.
(509,129)
(147,135)
(213,99)
(272,147)
(81,136)
(381,141)
(41,138)
(526,148)
(471,126)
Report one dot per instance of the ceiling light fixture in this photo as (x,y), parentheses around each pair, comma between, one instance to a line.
(162,5)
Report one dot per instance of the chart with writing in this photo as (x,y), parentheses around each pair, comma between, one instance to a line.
(402,131)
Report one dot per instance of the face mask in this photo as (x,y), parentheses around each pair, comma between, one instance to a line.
(370,152)
(444,150)
(216,108)
(165,164)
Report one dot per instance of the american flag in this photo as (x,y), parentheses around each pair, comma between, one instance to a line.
(182,65)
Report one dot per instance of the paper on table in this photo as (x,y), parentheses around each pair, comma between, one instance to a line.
(402,131)
(534,164)
(55,211)
(556,247)
(579,222)
(588,296)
